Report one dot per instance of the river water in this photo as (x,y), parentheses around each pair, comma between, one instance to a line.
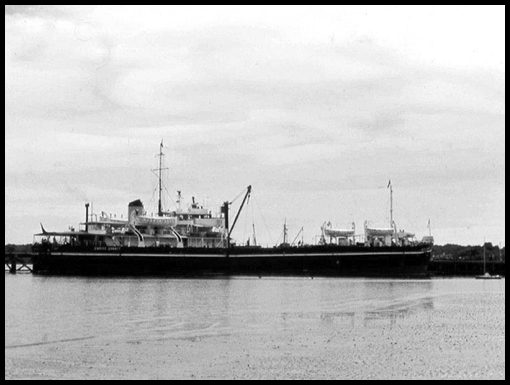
(250,328)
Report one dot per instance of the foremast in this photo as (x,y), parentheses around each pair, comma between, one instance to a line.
(159,169)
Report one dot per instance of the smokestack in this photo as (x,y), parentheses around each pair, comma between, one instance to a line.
(87,217)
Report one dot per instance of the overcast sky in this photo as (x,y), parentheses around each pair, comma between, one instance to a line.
(316,107)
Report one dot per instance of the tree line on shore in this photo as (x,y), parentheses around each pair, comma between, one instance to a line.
(468,253)
(11,248)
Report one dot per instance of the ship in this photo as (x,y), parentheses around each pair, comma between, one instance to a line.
(195,242)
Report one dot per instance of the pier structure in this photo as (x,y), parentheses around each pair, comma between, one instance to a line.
(18,262)
(464,267)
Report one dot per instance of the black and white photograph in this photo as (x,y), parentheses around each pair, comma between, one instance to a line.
(254,192)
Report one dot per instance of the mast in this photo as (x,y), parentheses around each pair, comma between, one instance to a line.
(159,169)
(160,210)
(285,231)
(254,237)
(391,202)
(179,200)
(484,255)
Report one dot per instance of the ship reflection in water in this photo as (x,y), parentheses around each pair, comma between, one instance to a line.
(390,306)
(250,328)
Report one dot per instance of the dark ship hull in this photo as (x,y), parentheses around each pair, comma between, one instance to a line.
(320,260)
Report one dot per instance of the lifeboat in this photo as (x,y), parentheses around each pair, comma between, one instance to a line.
(337,233)
(142,220)
(378,231)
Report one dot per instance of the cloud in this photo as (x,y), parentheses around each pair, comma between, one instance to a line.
(29,9)
(317,100)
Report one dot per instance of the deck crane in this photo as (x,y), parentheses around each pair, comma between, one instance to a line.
(225,211)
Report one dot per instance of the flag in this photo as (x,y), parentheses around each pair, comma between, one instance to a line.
(389,184)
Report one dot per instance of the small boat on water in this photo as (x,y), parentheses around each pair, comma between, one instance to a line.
(486,275)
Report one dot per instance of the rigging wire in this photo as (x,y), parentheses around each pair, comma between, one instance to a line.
(151,201)
(237,197)
(170,196)
(278,240)
(263,220)
(253,225)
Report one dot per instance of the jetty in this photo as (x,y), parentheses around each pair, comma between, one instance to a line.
(459,267)
(18,262)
